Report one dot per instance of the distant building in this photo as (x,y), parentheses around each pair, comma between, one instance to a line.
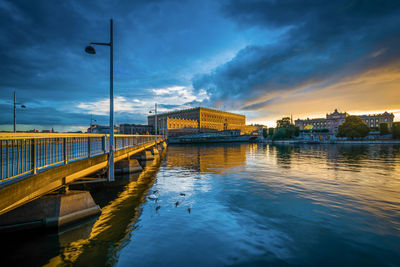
(374,119)
(261,128)
(101,129)
(333,120)
(136,129)
(200,119)
(48,131)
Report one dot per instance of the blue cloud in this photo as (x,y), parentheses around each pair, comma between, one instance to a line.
(324,42)
(158,44)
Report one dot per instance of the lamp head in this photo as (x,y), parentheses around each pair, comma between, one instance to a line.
(90,50)
(23,106)
(150,111)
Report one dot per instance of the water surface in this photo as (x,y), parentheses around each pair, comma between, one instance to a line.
(249,205)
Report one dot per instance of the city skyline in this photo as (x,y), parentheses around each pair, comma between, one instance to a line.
(262,59)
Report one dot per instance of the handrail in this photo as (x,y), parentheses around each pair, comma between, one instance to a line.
(27,153)
(6,135)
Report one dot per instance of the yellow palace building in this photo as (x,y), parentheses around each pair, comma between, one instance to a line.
(200,119)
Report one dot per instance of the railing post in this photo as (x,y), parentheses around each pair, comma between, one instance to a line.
(65,151)
(103,144)
(33,156)
(88,145)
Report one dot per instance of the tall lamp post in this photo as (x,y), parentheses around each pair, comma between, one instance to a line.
(155,124)
(90,50)
(15,111)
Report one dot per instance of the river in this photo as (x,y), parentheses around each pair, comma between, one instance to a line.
(237,204)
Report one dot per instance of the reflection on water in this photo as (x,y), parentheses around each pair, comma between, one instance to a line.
(73,245)
(249,205)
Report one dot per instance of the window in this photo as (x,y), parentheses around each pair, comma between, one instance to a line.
(366,120)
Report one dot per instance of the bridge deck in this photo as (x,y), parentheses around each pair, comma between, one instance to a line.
(33,165)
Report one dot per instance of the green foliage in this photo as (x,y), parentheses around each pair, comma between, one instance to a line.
(317,131)
(271,131)
(284,122)
(353,127)
(281,133)
(383,128)
(265,132)
(285,129)
(396,130)
(296,130)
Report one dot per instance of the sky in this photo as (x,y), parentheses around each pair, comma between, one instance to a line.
(264,59)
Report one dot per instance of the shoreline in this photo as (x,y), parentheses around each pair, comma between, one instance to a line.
(391,142)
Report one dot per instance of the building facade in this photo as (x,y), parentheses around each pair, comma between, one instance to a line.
(100,129)
(136,129)
(374,119)
(202,120)
(333,120)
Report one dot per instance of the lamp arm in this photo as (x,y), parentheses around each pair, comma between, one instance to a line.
(106,44)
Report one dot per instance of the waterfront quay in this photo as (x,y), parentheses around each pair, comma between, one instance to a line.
(239,204)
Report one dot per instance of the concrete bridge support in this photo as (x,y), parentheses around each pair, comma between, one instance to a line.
(144,155)
(52,210)
(155,151)
(163,145)
(127,166)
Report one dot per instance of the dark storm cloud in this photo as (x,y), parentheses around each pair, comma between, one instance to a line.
(42,42)
(323,41)
(156,42)
(48,116)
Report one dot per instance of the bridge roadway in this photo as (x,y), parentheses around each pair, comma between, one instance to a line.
(35,164)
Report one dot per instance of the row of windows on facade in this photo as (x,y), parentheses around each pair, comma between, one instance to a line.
(376,120)
(230,119)
(324,123)
(217,117)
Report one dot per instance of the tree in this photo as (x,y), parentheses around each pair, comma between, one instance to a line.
(396,130)
(353,127)
(296,130)
(280,133)
(284,122)
(265,132)
(383,128)
(285,129)
(271,131)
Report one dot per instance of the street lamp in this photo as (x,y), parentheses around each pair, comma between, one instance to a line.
(90,50)
(15,111)
(155,124)
(91,125)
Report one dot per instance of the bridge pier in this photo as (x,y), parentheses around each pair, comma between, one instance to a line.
(127,166)
(144,155)
(163,145)
(155,151)
(53,210)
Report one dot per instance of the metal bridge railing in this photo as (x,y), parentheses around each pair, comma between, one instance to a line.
(26,153)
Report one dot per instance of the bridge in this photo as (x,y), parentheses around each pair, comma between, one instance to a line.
(33,165)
